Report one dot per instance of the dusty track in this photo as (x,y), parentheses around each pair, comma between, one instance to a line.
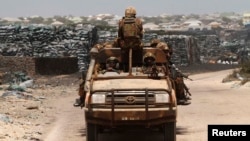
(213,102)
(55,118)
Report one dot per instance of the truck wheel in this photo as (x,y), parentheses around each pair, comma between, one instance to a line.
(169,131)
(91,132)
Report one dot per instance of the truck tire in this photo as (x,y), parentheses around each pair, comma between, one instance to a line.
(169,131)
(91,132)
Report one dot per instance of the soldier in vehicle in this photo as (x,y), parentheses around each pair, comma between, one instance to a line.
(130,34)
(112,65)
(130,30)
(177,76)
(98,46)
(80,101)
(154,42)
(149,62)
(165,48)
(150,65)
(182,91)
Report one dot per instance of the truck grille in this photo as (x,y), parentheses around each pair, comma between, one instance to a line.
(131,99)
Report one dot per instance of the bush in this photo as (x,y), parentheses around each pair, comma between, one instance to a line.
(245,67)
(231,77)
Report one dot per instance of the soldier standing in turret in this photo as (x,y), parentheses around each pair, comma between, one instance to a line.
(130,30)
(130,35)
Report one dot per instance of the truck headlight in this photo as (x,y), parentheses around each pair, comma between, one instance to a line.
(161,98)
(98,99)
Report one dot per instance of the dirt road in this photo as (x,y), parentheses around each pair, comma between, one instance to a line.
(213,102)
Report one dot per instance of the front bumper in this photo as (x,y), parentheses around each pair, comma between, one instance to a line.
(138,116)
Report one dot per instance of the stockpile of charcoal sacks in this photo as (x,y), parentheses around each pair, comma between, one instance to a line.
(203,49)
(185,49)
(48,41)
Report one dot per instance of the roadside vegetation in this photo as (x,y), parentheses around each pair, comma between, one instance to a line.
(241,74)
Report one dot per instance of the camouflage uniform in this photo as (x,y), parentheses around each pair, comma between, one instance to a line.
(176,76)
(80,101)
(112,65)
(154,42)
(98,46)
(149,62)
(149,59)
(136,30)
(130,34)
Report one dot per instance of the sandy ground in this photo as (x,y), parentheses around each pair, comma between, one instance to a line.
(213,102)
(27,115)
(46,113)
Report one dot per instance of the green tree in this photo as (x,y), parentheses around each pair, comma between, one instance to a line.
(63,20)
(48,21)
(36,20)
(226,19)
(21,18)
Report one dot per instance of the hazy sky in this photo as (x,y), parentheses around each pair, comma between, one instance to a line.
(50,8)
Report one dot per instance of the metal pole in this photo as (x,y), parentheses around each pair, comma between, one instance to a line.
(130,61)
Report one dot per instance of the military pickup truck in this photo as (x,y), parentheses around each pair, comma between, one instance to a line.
(134,93)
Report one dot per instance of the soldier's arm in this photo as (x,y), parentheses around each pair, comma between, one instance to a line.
(183,75)
(120,29)
(139,24)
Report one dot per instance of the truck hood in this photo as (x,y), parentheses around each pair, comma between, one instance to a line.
(130,84)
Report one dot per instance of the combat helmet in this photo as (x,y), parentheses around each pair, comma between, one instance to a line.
(154,42)
(112,62)
(112,59)
(108,45)
(149,58)
(98,46)
(130,11)
(163,46)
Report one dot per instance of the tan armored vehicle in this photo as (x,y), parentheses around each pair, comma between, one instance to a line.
(129,88)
